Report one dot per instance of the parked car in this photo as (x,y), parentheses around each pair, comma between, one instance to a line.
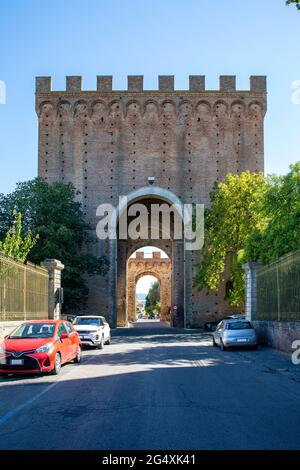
(39,346)
(230,333)
(212,325)
(93,330)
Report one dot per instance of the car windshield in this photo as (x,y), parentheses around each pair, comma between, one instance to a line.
(33,330)
(88,321)
(239,325)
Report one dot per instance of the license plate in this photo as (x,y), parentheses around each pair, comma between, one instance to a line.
(83,337)
(16,362)
(242,340)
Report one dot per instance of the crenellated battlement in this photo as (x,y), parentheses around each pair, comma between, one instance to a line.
(135,84)
(154,256)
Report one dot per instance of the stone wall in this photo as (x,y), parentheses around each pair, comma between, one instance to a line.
(278,334)
(108,142)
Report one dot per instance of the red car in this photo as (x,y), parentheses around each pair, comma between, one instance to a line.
(39,346)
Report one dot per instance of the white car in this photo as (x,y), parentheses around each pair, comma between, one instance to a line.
(93,330)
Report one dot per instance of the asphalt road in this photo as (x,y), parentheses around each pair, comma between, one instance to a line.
(156,389)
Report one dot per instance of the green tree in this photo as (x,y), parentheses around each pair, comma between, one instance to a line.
(282,211)
(297,2)
(236,212)
(152,299)
(16,245)
(51,211)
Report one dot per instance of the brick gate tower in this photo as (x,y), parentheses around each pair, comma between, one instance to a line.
(110,143)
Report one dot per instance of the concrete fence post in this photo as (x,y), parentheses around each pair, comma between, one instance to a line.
(54,268)
(250,290)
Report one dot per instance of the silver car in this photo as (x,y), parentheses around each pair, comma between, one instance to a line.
(230,333)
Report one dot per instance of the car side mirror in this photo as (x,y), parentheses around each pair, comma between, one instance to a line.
(64,336)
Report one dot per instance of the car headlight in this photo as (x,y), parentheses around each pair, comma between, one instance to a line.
(45,348)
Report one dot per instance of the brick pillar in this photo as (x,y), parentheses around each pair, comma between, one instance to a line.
(54,268)
(112,280)
(122,317)
(250,290)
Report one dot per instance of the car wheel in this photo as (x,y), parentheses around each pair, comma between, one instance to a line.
(223,348)
(57,364)
(214,342)
(108,340)
(77,358)
(101,344)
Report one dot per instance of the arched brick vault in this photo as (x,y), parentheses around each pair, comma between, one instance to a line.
(161,268)
(173,248)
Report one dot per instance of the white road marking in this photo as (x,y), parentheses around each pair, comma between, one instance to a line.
(19,408)
(10,414)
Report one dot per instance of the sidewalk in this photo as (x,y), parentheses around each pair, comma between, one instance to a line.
(272,361)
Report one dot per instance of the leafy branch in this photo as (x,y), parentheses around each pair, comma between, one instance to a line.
(16,245)
(297,2)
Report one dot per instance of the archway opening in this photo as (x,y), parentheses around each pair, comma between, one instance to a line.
(147,298)
(149,285)
(159,233)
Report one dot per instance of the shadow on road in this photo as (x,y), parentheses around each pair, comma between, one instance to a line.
(167,404)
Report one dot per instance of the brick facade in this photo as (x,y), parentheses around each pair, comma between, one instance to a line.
(108,143)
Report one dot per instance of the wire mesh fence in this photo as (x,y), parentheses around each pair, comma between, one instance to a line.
(278,289)
(23,291)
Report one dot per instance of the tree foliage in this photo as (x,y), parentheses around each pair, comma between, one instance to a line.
(14,243)
(153,298)
(52,212)
(296,2)
(282,211)
(252,218)
(236,212)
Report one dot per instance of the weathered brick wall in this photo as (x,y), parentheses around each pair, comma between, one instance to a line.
(107,143)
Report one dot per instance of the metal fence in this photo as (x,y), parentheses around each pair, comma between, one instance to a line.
(278,289)
(23,291)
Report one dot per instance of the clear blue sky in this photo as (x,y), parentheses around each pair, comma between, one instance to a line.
(122,37)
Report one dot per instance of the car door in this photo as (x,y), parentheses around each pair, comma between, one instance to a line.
(64,342)
(73,336)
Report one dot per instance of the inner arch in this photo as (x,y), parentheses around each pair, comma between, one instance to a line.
(144,283)
(149,261)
